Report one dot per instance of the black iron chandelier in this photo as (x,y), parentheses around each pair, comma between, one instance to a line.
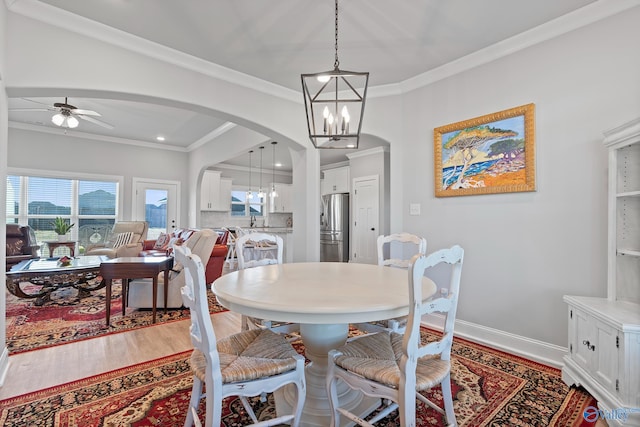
(334,102)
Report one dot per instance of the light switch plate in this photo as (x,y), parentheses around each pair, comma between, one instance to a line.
(414,209)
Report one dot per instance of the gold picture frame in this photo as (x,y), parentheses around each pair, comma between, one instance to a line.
(494,153)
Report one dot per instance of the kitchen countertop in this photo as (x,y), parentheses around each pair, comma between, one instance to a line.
(271,229)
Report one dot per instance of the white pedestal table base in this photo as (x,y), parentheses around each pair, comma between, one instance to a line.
(318,340)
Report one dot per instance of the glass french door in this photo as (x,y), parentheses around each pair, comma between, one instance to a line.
(157,203)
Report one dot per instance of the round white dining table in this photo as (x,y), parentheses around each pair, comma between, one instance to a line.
(324,298)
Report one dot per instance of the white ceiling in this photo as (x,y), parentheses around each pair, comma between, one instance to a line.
(277,40)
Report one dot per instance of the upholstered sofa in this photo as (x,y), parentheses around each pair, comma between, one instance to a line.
(21,244)
(213,264)
(125,240)
(201,242)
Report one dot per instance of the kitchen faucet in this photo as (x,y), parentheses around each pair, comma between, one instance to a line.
(252,223)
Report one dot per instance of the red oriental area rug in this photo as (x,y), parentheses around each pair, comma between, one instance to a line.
(490,388)
(66,318)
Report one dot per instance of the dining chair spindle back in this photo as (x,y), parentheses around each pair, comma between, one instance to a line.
(408,245)
(249,363)
(397,367)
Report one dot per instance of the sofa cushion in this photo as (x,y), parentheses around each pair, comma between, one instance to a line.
(162,243)
(122,239)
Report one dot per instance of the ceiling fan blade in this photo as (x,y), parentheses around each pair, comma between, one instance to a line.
(30,109)
(37,102)
(96,121)
(85,112)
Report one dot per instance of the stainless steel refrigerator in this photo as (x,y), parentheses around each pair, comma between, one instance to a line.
(334,228)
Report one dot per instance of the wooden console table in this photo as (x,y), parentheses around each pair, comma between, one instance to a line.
(126,268)
(53,244)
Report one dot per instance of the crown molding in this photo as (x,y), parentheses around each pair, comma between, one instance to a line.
(86,27)
(212,135)
(594,12)
(76,134)
(368,152)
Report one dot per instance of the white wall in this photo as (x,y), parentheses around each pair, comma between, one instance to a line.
(4,355)
(523,251)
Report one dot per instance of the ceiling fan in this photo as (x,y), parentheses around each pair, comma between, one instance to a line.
(66,114)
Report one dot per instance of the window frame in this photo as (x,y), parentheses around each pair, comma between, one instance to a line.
(247,204)
(23,215)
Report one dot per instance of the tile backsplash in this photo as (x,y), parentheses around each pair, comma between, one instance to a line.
(209,219)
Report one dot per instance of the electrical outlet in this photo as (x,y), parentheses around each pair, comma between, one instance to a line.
(414,209)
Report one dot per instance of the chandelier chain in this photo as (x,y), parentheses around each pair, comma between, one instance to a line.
(336,63)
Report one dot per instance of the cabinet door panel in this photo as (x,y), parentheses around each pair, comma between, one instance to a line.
(605,364)
(582,352)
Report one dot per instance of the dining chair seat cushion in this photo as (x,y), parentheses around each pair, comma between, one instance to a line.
(377,357)
(249,355)
(400,321)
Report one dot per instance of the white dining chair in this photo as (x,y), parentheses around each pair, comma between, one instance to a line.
(397,367)
(407,245)
(245,364)
(254,250)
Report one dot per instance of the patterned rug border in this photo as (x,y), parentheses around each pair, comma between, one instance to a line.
(101,335)
(104,376)
(520,359)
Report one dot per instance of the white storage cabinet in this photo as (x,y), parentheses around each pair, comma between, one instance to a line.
(604,333)
(284,202)
(336,180)
(215,192)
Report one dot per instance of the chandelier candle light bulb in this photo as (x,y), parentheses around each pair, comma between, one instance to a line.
(345,120)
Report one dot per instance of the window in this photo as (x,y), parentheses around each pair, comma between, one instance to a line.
(89,204)
(240,206)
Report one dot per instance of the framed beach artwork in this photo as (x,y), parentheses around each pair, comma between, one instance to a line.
(494,153)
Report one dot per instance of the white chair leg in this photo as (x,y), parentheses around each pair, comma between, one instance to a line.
(301,389)
(196,395)
(448,401)
(196,421)
(332,392)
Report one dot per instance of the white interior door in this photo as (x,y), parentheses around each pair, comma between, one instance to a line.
(366,227)
(157,203)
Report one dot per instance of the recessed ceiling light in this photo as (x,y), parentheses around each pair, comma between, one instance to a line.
(278,165)
(160,138)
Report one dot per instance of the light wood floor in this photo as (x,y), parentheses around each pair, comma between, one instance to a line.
(35,370)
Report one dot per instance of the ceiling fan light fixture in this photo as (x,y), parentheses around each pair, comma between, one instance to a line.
(58,119)
(72,122)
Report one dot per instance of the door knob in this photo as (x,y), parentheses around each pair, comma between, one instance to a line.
(373,229)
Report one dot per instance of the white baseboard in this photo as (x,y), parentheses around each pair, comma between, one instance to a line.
(539,351)
(4,365)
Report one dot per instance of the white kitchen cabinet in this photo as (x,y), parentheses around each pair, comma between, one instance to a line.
(336,180)
(224,195)
(215,192)
(284,202)
(604,333)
